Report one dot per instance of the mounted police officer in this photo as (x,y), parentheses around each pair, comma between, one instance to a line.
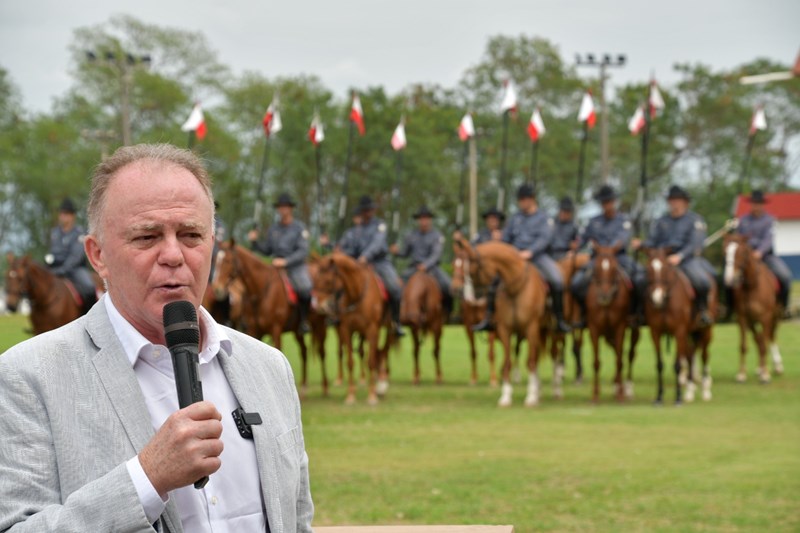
(348,242)
(565,231)
(609,229)
(759,228)
(531,231)
(371,248)
(424,248)
(493,220)
(680,231)
(67,258)
(287,242)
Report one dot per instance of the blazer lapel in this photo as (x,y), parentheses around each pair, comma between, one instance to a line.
(123,391)
(242,385)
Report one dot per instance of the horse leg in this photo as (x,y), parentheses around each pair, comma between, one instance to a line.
(303,363)
(741,377)
(681,366)
(372,363)
(619,344)
(437,339)
(532,397)
(506,389)
(655,333)
(415,335)
(557,353)
(473,356)
(320,336)
(631,357)
(707,381)
(594,335)
(346,339)
(758,334)
(577,344)
(340,370)
(691,369)
(492,336)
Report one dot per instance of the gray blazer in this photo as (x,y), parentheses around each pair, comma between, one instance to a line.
(72,413)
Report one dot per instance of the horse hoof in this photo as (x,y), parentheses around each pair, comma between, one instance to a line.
(778,370)
(658,403)
(678,403)
(764,379)
(741,377)
(337,383)
(559,395)
(707,396)
(372,400)
(382,387)
(531,402)
(350,400)
(502,402)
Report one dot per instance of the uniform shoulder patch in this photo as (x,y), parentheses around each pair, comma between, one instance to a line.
(382,227)
(550,222)
(699,224)
(304,234)
(441,239)
(626,224)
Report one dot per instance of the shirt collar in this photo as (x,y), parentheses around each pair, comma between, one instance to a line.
(135,344)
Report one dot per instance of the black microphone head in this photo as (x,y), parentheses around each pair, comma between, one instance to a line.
(180,324)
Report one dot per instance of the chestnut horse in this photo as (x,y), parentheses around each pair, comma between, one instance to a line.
(669,310)
(266,308)
(757,307)
(53,303)
(608,302)
(569,265)
(520,305)
(351,293)
(473,310)
(421,310)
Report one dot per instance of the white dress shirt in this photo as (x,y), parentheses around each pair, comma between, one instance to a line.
(231,501)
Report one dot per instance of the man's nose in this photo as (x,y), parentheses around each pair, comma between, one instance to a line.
(171,251)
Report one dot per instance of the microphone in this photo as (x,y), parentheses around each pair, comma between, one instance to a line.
(183,340)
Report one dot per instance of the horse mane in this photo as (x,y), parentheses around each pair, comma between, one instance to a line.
(499,250)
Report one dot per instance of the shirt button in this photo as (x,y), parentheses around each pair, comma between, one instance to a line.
(213,500)
(157,353)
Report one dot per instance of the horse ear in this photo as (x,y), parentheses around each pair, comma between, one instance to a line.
(233,242)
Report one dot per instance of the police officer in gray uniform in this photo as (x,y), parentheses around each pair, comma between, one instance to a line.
(67,258)
(609,229)
(287,242)
(531,231)
(759,228)
(371,248)
(348,243)
(680,232)
(492,230)
(565,231)
(424,248)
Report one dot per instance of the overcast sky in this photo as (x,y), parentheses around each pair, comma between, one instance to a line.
(394,43)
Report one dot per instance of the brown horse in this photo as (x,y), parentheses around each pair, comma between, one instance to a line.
(608,302)
(756,304)
(473,310)
(351,293)
(266,308)
(669,310)
(520,305)
(421,309)
(53,303)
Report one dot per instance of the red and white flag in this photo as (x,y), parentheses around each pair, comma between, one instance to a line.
(357,114)
(536,129)
(315,133)
(637,121)
(399,136)
(196,122)
(466,128)
(656,101)
(586,113)
(272,119)
(759,121)
(509,102)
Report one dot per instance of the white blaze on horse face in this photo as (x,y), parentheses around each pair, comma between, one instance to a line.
(730,256)
(220,257)
(605,264)
(658,294)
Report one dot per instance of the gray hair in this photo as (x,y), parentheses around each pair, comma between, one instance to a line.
(153,154)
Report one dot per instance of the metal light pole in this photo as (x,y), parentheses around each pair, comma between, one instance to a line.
(123,64)
(607,61)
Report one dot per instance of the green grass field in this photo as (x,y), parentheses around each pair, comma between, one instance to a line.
(446,454)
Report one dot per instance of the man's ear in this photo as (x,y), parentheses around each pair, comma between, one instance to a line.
(94,253)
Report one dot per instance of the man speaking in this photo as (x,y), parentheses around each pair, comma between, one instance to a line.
(93,438)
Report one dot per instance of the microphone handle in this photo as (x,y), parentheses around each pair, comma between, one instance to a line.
(190,389)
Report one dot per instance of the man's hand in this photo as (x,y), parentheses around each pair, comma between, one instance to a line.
(674,259)
(525,254)
(497,235)
(362,260)
(421,268)
(757,255)
(394,249)
(279,262)
(324,240)
(636,243)
(252,235)
(185,448)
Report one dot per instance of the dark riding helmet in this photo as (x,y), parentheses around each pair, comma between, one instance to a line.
(284,200)
(757,197)
(423,211)
(67,206)
(677,192)
(365,203)
(606,193)
(526,191)
(566,204)
(493,212)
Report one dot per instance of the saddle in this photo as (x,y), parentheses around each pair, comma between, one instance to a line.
(381,286)
(83,301)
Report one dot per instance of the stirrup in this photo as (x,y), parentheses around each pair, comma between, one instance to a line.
(483,325)
(563,326)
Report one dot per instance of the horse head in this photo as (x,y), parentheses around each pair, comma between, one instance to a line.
(605,274)
(739,263)
(660,276)
(16,282)
(327,286)
(227,268)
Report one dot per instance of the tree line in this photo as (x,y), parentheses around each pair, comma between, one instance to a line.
(153,75)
